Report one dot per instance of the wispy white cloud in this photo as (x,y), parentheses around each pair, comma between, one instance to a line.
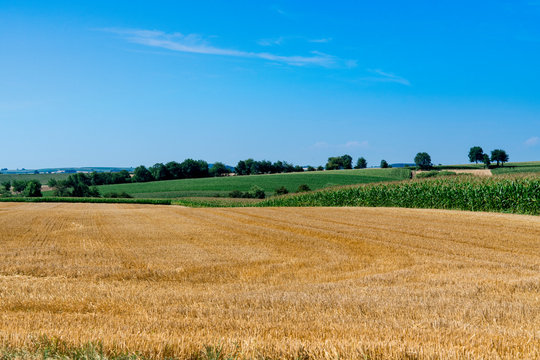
(193,43)
(349,145)
(356,144)
(322,40)
(535,140)
(280,11)
(271,42)
(383,76)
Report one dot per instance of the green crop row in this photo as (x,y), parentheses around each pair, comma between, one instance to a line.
(513,194)
(88,200)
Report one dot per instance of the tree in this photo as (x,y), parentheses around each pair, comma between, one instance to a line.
(281,191)
(310,168)
(288,168)
(361,163)
(320,168)
(486,161)
(339,162)
(476,154)
(499,155)
(346,161)
(18,185)
(218,169)
(33,189)
(142,174)
(61,188)
(298,168)
(6,185)
(384,164)
(423,160)
(278,167)
(241,168)
(194,168)
(160,172)
(175,170)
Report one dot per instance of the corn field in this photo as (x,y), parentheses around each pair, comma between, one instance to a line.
(512,194)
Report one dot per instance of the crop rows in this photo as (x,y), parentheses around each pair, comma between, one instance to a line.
(502,194)
(140,282)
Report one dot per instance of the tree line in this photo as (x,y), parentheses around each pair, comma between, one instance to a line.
(476,154)
(85,185)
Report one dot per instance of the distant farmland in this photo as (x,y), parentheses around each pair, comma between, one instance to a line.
(221,186)
(42,178)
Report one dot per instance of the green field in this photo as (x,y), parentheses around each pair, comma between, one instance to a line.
(518,168)
(221,186)
(42,178)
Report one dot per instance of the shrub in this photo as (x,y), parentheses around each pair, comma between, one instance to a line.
(121,195)
(236,194)
(281,191)
(303,188)
(257,192)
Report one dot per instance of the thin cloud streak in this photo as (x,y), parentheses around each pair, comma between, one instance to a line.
(320,41)
(535,140)
(387,77)
(271,42)
(195,44)
(349,145)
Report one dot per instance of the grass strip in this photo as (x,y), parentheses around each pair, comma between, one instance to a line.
(87,200)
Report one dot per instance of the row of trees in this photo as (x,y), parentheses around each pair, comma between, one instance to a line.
(476,154)
(188,169)
(254,167)
(76,185)
(28,188)
(345,162)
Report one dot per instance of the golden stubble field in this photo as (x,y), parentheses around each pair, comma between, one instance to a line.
(274,282)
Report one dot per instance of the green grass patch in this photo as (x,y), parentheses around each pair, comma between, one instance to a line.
(221,186)
(87,200)
(513,194)
(434,173)
(509,169)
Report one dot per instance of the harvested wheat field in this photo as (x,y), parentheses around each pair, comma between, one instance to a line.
(271,282)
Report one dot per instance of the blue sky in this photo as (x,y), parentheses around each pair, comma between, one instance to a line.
(123,83)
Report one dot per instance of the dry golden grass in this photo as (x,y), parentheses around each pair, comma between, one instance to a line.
(276,282)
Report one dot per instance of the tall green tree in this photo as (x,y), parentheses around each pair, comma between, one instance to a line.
(486,161)
(160,172)
(142,174)
(361,163)
(499,155)
(423,160)
(194,168)
(18,185)
(6,185)
(218,169)
(33,189)
(174,169)
(339,162)
(346,161)
(476,154)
